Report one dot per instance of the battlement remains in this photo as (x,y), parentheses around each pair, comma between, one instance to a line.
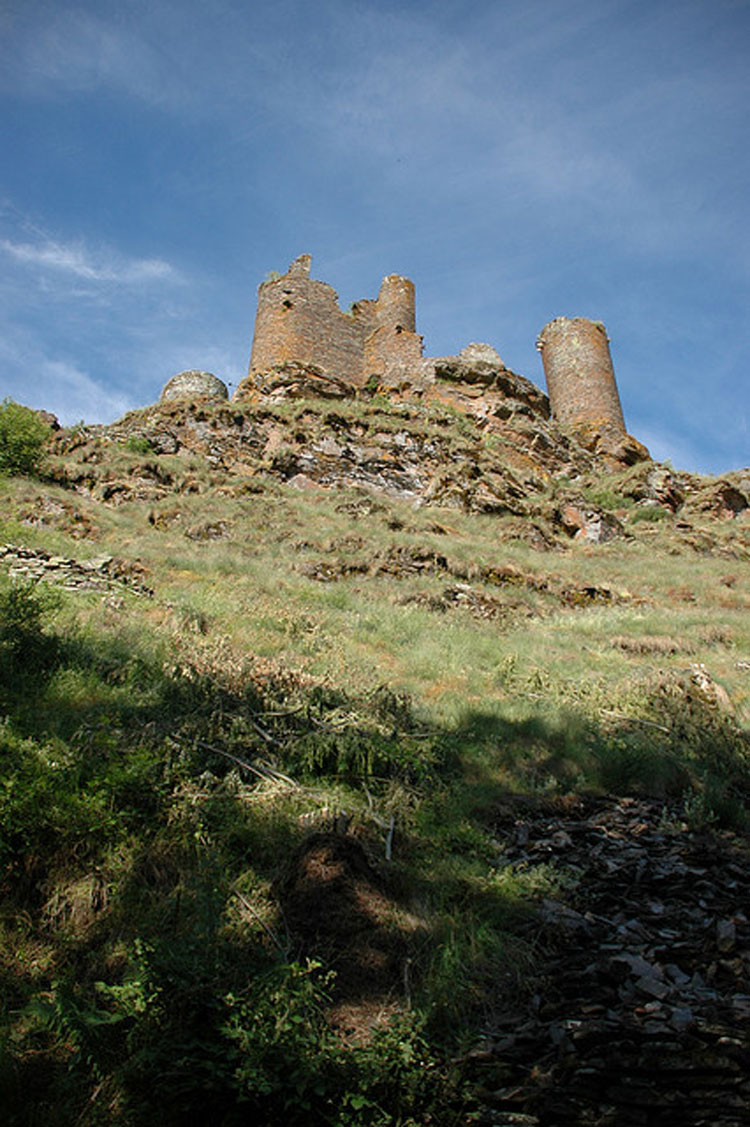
(299,319)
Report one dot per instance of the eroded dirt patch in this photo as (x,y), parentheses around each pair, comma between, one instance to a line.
(338,907)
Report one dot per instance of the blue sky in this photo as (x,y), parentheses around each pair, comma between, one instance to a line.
(518,159)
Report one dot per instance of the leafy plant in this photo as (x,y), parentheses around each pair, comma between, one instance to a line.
(22,438)
(294,1069)
(25,647)
(137,444)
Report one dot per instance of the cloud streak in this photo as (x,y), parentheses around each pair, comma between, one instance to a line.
(77,260)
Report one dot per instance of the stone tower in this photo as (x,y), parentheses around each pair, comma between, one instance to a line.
(299,319)
(579,373)
(392,346)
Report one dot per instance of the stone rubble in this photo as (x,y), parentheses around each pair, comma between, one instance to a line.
(641,1009)
(103,573)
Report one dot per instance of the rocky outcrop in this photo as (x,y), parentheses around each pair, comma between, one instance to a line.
(408,448)
(587,522)
(292,380)
(477,437)
(484,373)
(724,499)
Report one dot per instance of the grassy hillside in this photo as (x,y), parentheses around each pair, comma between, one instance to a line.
(259,721)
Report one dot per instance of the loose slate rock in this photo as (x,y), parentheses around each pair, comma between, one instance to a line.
(640,1015)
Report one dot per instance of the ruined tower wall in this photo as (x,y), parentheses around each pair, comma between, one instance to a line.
(580,375)
(389,351)
(299,319)
(396,306)
(394,348)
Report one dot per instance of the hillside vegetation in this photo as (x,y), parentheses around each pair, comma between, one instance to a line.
(280,681)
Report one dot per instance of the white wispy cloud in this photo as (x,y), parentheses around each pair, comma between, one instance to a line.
(76,259)
(34,377)
(60,50)
(73,394)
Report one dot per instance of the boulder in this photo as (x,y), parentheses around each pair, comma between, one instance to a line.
(194,384)
(585,522)
(481,353)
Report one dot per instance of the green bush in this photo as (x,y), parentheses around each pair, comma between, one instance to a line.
(291,1068)
(651,514)
(136,444)
(22,438)
(25,647)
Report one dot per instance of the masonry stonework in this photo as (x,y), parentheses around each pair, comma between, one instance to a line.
(299,324)
(194,384)
(299,320)
(579,373)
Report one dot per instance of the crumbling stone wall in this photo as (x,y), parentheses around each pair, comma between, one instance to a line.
(580,375)
(299,322)
(299,319)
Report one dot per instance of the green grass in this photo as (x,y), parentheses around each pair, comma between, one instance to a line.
(132,841)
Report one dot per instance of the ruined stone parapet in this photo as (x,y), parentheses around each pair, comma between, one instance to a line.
(396,307)
(393,348)
(579,373)
(299,320)
(194,384)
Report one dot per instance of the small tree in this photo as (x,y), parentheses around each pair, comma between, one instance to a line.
(22,438)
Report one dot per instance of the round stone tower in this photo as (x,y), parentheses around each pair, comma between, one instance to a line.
(394,348)
(579,373)
(395,307)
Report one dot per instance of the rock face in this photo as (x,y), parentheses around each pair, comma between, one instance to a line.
(194,384)
(588,523)
(292,380)
(477,438)
(481,373)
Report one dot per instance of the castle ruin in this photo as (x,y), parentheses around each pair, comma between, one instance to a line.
(299,319)
(305,344)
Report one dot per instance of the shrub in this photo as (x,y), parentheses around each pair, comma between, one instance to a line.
(25,647)
(136,444)
(22,438)
(652,514)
